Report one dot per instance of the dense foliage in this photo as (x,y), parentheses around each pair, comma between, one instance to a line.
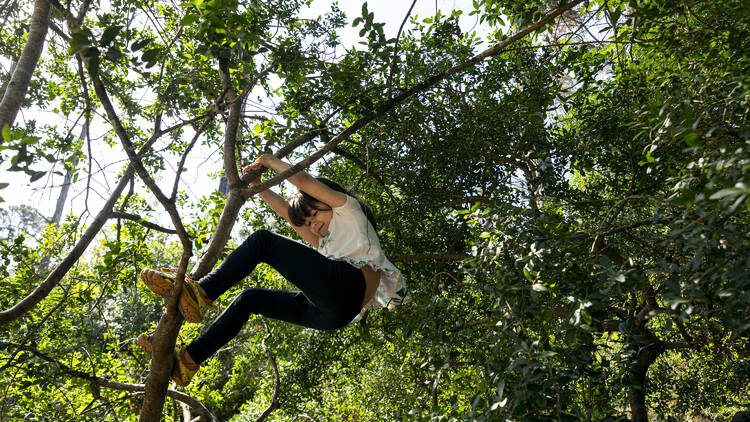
(571,214)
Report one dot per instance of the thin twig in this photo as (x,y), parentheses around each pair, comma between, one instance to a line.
(395,50)
(138,219)
(277,384)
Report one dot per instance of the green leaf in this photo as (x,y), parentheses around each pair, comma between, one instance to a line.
(82,35)
(692,139)
(93,65)
(727,192)
(37,175)
(527,274)
(6,133)
(151,56)
(140,44)
(114,53)
(189,19)
(29,140)
(109,35)
(76,46)
(4,185)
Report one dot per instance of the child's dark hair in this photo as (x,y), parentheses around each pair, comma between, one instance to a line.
(302,204)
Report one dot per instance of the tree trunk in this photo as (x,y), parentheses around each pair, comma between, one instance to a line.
(15,93)
(637,377)
(62,198)
(60,206)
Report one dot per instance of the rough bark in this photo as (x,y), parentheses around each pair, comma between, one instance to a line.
(647,349)
(15,93)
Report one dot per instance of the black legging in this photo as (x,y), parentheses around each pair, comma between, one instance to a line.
(331,291)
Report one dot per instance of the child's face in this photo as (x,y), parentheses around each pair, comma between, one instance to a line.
(319,220)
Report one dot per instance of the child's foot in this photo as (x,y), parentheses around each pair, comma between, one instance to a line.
(183,368)
(193,303)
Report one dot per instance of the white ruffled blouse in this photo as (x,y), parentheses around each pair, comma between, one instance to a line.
(352,238)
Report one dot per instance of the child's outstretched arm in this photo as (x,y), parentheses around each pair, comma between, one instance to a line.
(304,182)
(280,206)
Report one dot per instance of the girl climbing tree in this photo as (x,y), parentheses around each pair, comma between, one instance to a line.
(346,272)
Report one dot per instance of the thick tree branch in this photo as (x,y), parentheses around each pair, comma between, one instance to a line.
(15,93)
(232,127)
(166,331)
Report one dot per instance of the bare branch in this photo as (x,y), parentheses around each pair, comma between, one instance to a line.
(395,49)
(138,219)
(277,384)
(181,165)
